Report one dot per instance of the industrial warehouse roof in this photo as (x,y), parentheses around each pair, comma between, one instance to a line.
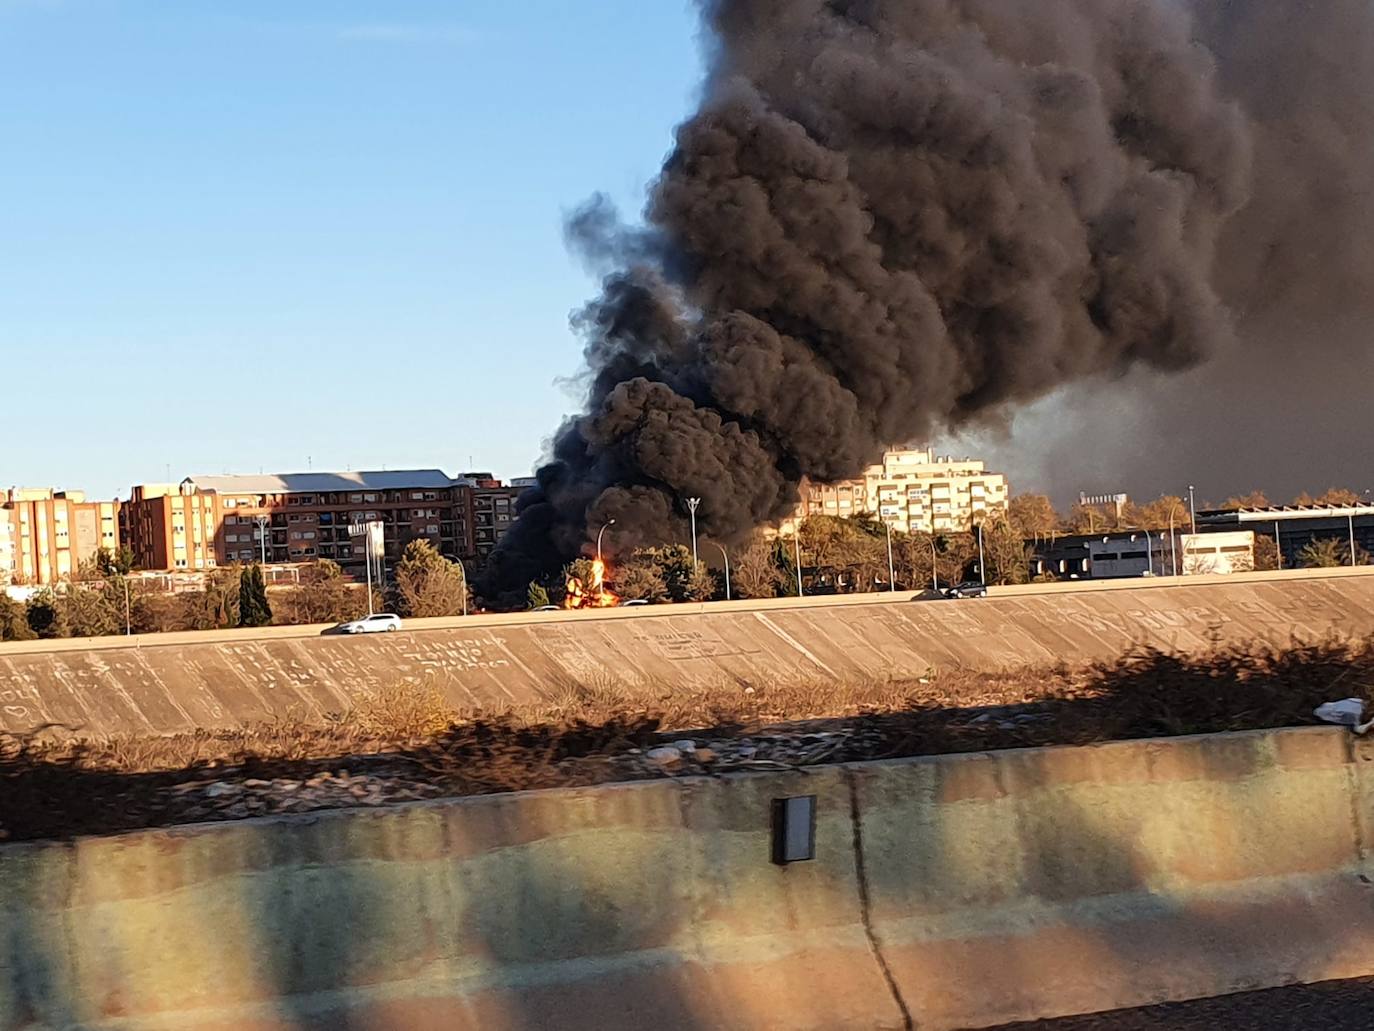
(1284,513)
(293,483)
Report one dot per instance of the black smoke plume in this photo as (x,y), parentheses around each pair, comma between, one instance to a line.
(889,218)
(1286,408)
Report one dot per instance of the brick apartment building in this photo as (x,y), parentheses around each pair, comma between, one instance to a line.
(167,528)
(912,489)
(216,520)
(47,534)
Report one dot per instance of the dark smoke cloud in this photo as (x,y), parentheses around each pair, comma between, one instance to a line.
(893,217)
(1286,408)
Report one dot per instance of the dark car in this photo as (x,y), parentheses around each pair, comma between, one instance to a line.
(968,589)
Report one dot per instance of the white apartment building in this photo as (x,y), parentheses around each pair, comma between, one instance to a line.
(912,489)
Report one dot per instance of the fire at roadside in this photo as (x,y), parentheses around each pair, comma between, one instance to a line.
(52,790)
(593,594)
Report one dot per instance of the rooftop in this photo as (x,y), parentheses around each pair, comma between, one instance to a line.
(312,482)
(1283,513)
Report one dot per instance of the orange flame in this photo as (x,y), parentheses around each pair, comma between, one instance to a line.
(591,595)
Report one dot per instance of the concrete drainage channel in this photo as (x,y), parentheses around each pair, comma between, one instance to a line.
(958,891)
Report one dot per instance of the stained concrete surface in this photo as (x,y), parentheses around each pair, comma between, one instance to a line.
(156,685)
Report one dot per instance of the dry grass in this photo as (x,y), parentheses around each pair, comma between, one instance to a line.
(56,787)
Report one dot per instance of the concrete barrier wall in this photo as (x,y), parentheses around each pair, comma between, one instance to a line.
(946,892)
(157,685)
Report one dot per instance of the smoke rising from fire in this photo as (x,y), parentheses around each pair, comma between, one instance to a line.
(890,218)
(1285,408)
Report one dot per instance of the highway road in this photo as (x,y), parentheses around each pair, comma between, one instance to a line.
(508,619)
(1334,1006)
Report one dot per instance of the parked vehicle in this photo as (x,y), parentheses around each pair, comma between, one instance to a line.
(375,624)
(968,589)
(635,601)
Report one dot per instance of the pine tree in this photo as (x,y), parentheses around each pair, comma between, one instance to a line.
(427,584)
(254,609)
(536,596)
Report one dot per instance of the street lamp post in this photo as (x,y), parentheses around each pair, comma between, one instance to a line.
(462,569)
(982,568)
(128,621)
(1192,508)
(608,522)
(796,545)
(1173,541)
(692,504)
(1278,544)
(1149,553)
(263,522)
(934,563)
(1351,517)
(891,570)
(725,555)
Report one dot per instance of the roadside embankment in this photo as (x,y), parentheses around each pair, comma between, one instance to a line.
(164,685)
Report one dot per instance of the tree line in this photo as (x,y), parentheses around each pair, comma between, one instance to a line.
(850,554)
(104,600)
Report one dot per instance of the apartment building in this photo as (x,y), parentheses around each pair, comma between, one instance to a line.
(168,528)
(47,534)
(491,510)
(206,521)
(913,490)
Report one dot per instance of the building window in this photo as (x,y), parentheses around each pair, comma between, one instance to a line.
(231,503)
(417,495)
(309,535)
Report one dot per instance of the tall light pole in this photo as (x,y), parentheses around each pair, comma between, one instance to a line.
(1192,508)
(891,570)
(463,570)
(1149,553)
(128,621)
(263,522)
(796,545)
(1278,543)
(934,571)
(692,504)
(608,522)
(1351,517)
(725,555)
(982,569)
(1173,538)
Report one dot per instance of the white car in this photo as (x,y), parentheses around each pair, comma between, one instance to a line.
(375,624)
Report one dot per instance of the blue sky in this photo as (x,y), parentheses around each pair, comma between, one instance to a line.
(252,234)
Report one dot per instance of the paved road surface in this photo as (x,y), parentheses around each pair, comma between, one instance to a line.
(1334,1006)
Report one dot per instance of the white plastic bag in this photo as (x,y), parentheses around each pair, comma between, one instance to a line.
(1348,712)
